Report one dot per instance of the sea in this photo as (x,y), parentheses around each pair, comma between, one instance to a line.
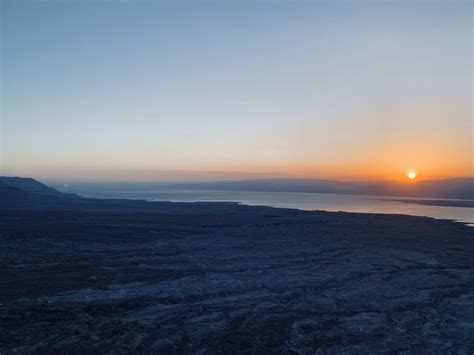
(299,200)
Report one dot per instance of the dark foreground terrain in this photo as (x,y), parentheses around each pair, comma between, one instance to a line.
(110,277)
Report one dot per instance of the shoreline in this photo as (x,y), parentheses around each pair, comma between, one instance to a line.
(434,202)
(314,203)
(469,224)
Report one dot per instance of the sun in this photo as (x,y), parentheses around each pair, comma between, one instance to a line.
(411,175)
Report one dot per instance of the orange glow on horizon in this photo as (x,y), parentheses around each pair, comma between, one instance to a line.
(394,163)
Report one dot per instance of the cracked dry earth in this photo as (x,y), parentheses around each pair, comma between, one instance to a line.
(137,277)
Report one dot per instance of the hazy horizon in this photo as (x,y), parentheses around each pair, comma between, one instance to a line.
(210,177)
(187,91)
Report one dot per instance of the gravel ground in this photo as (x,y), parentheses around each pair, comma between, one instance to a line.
(113,277)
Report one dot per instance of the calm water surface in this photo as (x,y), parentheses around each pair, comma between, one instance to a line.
(301,200)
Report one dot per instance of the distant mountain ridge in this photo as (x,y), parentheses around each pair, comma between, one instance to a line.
(28,185)
(462,188)
(16,191)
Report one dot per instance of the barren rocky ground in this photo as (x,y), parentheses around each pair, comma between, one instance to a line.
(113,277)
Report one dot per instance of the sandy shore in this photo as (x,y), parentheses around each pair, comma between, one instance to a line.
(102,276)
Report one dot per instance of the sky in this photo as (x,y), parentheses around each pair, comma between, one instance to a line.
(162,90)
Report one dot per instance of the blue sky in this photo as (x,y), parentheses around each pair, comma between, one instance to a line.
(201,90)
